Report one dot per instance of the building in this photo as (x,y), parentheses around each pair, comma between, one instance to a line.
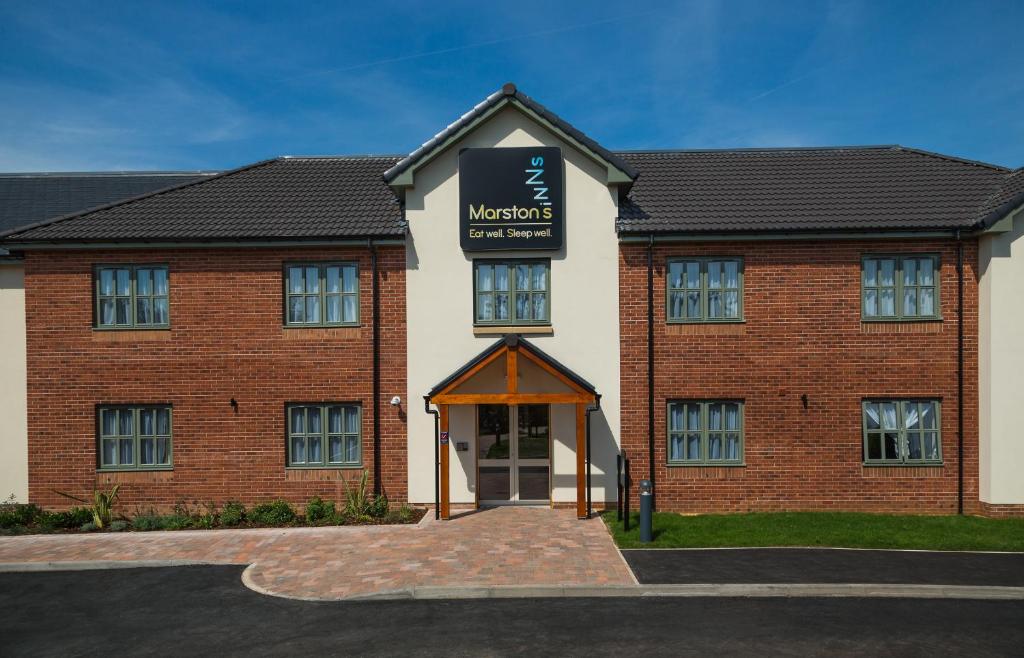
(768,329)
(26,199)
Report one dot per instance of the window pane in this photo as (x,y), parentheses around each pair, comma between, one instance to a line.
(350,281)
(298,450)
(501,277)
(106,282)
(871,416)
(522,277)
(931,445)
(732,304)
(693,446)
(501,306)
(336,451)
(887,307)
(298,420)
(871,272)
(108,422)
(313,421)
(125,424)
(675,274)
(676,307)
(540,306)
(146,425)
(693,304)
(107,312)
(296,309)
(732,274)
(312,310)
(295,284)
(124,282)
(160,281)
(350,310)
(351,420)
(692,417)
(889,415)
(732,416)
(870,303)
(333,308)
(540,277)
(675,447)
(911,420)
(144,281)
(913,445)
(523,305)
(334,416)
(874,446)
(714,416)
(313,448)
(147,452)
(926,272)
(675,417)
(312,280)
(163,422)
(888,272)
(144,311)
(352,449)
(160,310)
(123,310)
(715,446)
(334,279)
(693,274)
(485,278)
(714,274)
(126,452)
(928,415)
(910,272)
(714,304)
(109,452)
(484,308)
(163,451)
(927,301)
(732,446)
(910,301)
(891,444)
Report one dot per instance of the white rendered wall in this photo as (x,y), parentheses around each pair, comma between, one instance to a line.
(13,400)
(584,310)
(1001,362)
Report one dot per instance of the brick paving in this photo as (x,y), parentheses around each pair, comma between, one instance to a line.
(505,546)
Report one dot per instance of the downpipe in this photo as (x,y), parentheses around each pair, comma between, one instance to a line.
(960,373)
(596,407)
(376,368)
(437,455)
(650,369)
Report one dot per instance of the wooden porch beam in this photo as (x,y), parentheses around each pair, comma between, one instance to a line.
(512,398)
(581,461)
(445,491)
(512,369)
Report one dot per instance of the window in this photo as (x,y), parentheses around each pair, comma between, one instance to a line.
(511,292)
(135,437)
(900,288)
(132,297)
(324,435)
(705,433)
(705,290)
(902,432)
(321,295)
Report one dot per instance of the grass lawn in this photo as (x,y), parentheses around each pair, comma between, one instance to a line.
(841,529)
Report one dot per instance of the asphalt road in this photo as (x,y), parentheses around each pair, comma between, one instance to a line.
(822,565)
(186,611)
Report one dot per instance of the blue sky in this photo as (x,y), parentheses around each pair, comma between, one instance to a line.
(203,85)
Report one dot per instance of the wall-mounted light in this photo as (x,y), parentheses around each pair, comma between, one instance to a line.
(396,401)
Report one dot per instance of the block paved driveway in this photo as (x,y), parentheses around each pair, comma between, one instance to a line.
(518,546)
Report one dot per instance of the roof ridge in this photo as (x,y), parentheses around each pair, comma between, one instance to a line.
(106,206)
(758,149)
(1003,208)
(124,173)
(952,158)
(354,156)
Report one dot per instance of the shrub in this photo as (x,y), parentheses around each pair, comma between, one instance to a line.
(89,527)
(118,526)
(319,512)
(276,513)
(102,505)
(75,517)
(378,509)
(357,501)
(14,514)
(176,521)
(147,522)
(402,515)
(232,514)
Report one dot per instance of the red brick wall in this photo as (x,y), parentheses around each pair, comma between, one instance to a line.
(802,335)
(226,341)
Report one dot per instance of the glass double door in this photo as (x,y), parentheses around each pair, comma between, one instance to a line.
(513,454)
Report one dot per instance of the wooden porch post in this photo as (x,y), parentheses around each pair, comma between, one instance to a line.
(581,461)
(445,440)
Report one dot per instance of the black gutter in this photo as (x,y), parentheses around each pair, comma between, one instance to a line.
(437,455)
(376,369)
(650,370)
(960,373)
(596,407)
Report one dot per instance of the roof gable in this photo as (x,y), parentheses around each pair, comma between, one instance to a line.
(402,174)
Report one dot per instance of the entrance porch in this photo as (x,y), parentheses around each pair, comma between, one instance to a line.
(526,417)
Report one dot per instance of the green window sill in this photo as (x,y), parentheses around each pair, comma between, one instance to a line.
(319,467)
(162,327)
(903,464)
(140,469)
(321,326)
(706,464)
(898,320)
(716,321)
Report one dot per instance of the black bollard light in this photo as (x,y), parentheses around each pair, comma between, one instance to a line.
(646,511)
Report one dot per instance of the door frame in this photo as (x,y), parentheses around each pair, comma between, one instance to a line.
(513,459)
